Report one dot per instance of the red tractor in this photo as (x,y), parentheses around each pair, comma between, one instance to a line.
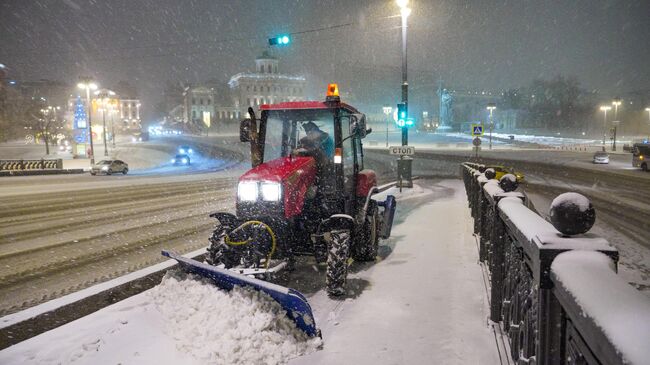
(307,193)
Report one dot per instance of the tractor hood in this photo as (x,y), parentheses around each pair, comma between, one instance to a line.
(295,175)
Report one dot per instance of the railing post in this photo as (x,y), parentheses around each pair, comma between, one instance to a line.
(549,328)
(483,223)
(498,241)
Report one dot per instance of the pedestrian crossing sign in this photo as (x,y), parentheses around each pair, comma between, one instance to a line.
(477,130)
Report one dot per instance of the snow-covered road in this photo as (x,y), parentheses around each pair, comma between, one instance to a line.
(423,302)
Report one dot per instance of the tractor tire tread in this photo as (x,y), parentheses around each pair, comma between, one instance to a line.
(337,265)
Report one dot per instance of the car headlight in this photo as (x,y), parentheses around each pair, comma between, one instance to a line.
(184,160)
(190,151)
(105,168)
(247,191)
(271,192)
(181,150)
(173,160)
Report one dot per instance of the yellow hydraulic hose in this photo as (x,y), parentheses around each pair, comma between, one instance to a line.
(241,243)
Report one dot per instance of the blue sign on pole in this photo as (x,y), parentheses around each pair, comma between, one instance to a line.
(477,130)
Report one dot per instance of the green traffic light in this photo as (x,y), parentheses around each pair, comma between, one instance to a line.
(280,40)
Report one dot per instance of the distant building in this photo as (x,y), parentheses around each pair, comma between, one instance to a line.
(217,106)
(266,85)
(199,107)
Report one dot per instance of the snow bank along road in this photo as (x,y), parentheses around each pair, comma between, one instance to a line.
(423,302)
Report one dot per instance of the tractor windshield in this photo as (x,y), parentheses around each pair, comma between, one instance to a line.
(288,130)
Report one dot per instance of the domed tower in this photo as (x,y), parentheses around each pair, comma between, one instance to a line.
(266,64)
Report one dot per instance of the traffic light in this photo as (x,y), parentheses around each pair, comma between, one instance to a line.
(401,115)
(281,40)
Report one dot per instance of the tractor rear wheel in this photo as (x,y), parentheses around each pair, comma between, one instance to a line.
(337,262)
(367,243)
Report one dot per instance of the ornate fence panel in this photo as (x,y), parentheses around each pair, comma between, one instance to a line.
(545,300)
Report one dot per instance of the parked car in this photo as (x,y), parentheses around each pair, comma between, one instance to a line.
(641,155)
(185,150)
(601,157)
(109,167)
(181,159)
(502,170)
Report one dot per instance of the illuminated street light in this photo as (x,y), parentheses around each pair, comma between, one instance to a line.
(87,84)
(605,109)
(491,107)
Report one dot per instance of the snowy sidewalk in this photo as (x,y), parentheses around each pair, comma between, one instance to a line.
(425,303)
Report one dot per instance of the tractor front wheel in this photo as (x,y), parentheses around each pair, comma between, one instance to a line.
(219,252)
(337,262)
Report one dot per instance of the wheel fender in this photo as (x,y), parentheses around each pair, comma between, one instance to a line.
(226,219)
(337,221)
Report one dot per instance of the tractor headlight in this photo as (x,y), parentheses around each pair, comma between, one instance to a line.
(271,192)
(247,191)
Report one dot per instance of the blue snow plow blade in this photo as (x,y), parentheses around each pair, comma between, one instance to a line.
(291,300)
(389,214)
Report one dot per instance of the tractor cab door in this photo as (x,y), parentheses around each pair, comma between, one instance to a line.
(351,162)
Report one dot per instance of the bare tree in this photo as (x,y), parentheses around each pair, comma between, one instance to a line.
(43,121)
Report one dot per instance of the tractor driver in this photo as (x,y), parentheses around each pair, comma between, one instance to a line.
(318,142)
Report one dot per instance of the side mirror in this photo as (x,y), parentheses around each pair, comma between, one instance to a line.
(245,127)
(358,125)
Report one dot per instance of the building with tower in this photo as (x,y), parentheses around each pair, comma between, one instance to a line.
(265,85)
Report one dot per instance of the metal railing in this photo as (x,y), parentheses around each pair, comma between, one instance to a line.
(41,164)
(546,319)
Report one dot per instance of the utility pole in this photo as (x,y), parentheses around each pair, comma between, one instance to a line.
(491,107)
(387,110)
(616,102)
(87,84)
(604,109)
(404,164)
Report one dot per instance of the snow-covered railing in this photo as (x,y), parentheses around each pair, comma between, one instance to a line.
(553,287)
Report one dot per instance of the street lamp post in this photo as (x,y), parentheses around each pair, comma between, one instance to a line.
(404,165)
(387,111)
(87,84)
(491,107)
(616,103)
(604,109)
(112,114)
(648,110)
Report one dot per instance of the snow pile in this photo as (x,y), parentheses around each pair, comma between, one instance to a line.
(578,200)
(242,326)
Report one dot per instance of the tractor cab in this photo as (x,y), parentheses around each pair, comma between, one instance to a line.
(304,138)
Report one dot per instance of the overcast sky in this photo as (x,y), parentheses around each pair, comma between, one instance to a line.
(469,44)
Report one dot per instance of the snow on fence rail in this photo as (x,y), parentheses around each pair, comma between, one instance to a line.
(556,296)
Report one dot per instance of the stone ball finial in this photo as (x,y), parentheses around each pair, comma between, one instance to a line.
(508,182)
(572,213)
